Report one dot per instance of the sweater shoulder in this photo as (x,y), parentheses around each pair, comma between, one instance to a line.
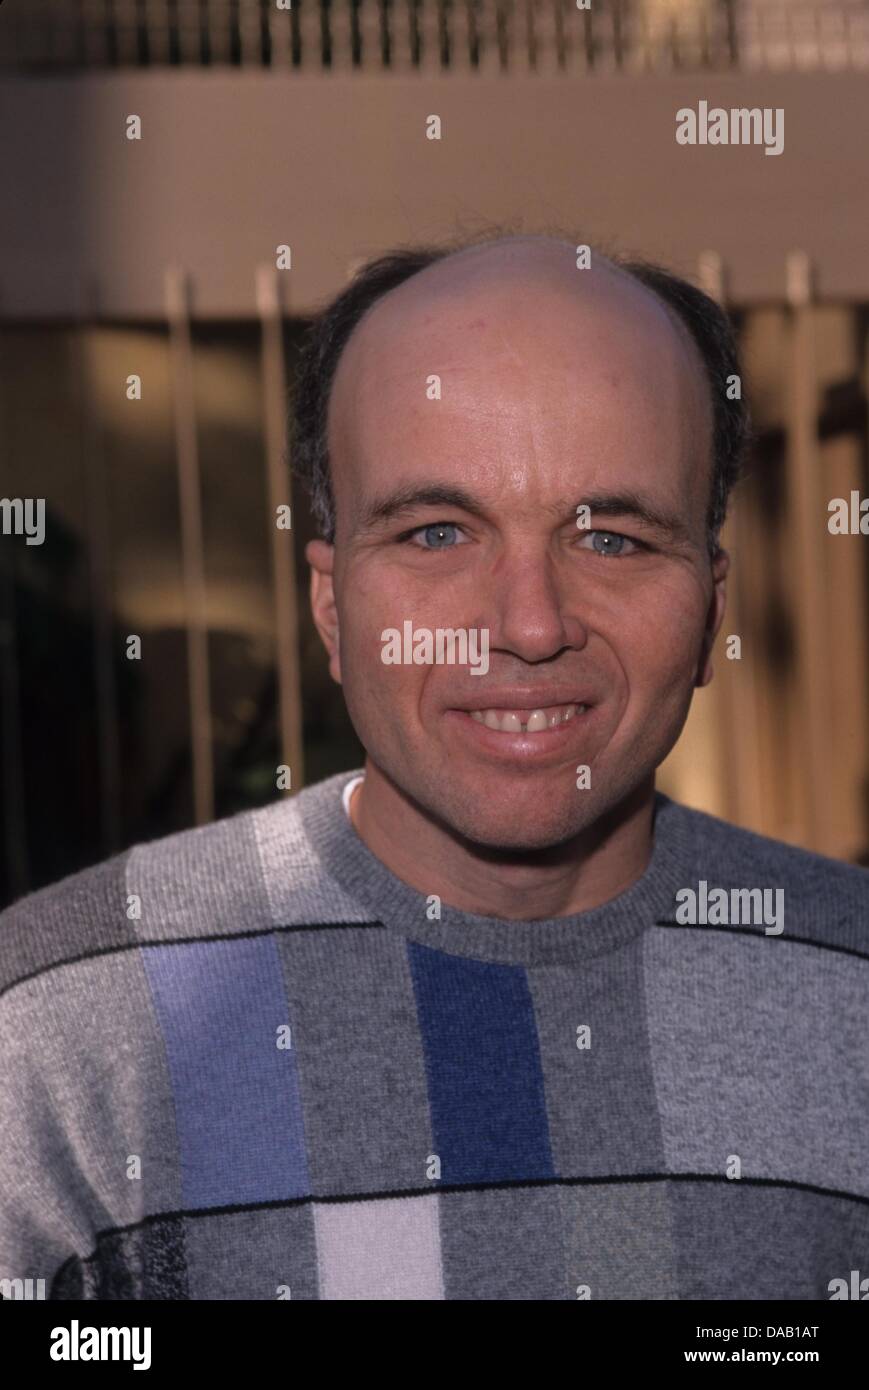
(245,873)
(80,915)
(824,897)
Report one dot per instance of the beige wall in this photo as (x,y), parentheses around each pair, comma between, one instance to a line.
(338,167)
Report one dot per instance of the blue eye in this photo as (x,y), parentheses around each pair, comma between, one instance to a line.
(610,543)
(434,532)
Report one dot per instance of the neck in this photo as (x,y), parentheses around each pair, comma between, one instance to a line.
(596,865)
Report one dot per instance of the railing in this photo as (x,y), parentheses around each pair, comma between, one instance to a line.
(436,35)
(98,468)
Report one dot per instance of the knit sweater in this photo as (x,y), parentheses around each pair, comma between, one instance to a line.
(247,1061)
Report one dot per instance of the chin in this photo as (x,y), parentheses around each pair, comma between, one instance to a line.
(512,830)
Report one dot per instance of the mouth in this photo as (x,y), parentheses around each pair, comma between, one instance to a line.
(526,721)
(533,736)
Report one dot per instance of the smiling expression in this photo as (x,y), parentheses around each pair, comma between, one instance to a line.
(559,389)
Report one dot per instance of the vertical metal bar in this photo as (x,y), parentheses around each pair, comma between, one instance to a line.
(560,42)
(341,25)
(219,21)
(310,29)
(127,20)
(530,45)
(737,691)
(426,12)
(178,312)
(190,23)
(588,38)
(286,601)
(280,27)
(732,33)
(159,29)
(93,30)
(618,32)
(810,518)
(485,21)
(370,24)
(250,34)
(99,558)
(14,794)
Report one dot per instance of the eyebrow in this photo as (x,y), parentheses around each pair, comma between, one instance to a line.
(633,504)
(409,498)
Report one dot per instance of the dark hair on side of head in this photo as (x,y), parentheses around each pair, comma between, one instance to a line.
(715,339)
(707,323)
(318,361)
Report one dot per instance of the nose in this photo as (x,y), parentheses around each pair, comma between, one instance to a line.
(529,602)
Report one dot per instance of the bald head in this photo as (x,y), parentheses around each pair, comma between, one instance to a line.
(518,273)
(506,354)
(531,263)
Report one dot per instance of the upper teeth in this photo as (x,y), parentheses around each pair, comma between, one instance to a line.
(509,721)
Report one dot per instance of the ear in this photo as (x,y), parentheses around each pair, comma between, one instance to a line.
(714,617)
(321,557)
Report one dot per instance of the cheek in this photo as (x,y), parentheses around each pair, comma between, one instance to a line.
(657,638)
(383,601)
(366,612)
(372,686)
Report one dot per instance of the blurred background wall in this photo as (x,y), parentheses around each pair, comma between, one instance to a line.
(157,258)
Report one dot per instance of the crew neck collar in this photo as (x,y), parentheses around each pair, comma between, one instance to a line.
(544,941)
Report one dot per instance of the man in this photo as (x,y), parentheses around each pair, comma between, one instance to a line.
(488,1018)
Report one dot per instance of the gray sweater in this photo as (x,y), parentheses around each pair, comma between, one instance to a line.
(248,1062)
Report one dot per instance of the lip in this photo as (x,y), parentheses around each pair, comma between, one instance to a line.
(548,744)
(522,699)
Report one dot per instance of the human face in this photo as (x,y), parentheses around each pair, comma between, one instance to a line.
(461,512)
